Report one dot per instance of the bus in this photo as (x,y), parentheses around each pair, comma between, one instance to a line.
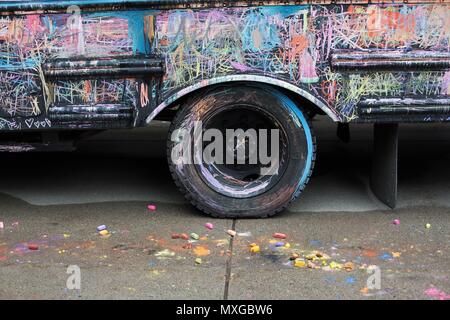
(239,80)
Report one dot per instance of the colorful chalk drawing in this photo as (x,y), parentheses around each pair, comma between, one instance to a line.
(93,91)
(295,43)
(290,43)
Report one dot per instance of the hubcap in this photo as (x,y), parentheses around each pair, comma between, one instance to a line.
(243,177)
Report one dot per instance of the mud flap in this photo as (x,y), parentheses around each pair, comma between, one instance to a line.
(383,180)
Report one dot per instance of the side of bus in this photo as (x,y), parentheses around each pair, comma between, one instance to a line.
(73,68)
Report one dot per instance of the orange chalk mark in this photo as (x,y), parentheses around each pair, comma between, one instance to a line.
(201,251)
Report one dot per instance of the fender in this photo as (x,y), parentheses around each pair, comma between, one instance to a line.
(243,77)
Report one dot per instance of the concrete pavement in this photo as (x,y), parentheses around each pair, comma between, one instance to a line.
(57,200)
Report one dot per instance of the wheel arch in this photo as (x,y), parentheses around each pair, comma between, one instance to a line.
(288,88)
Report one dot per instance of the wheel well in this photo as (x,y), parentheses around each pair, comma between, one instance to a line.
(169,111)
(307,105)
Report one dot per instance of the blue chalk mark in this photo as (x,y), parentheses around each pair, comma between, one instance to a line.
(385,256)
(136,29)
(261,34)
(302,122)
(350,280)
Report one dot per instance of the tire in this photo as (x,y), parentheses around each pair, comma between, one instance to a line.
(250,195)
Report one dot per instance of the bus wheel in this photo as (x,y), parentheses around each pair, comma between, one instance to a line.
(241,151)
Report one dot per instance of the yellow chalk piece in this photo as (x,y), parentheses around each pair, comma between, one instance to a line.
(335,265)
(104,233)
(299,263)
(287,245)
(255,249)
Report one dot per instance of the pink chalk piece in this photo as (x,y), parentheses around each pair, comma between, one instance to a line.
(151,207)
(2,225)
(278,235)
(209,226)
(396,222)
